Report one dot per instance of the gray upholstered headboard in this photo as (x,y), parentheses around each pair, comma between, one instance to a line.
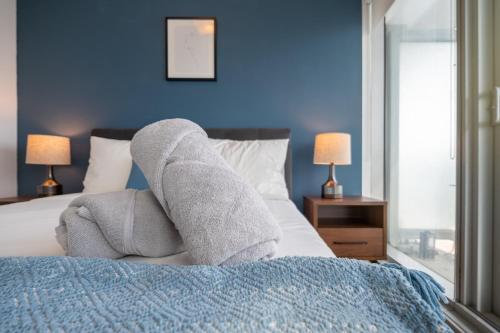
(220,133)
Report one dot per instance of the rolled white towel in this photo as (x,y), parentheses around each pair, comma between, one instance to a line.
(220,217)
(117,224)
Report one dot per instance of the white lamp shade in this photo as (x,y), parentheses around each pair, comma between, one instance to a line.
(48,150)
(332,148)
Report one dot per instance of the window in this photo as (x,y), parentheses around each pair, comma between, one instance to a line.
(421,122)
(442,149)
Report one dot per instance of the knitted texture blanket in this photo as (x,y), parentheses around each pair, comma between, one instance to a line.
(295,294)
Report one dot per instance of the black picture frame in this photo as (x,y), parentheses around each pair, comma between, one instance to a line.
(176,78)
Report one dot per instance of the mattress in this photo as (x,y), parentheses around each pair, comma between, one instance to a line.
(27,229)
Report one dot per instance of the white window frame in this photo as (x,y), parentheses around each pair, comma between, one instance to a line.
(373,137)
(475,239)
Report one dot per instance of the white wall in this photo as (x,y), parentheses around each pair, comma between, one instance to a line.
(8,99)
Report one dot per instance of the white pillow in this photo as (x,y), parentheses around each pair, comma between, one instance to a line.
(109,165)
(260,162)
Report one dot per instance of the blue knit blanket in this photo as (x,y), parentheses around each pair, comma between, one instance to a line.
(296,294)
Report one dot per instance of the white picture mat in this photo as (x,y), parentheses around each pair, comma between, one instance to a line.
(191,48)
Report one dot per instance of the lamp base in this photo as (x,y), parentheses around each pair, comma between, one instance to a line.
(50,186)
(328,189)
(48,190)
(331,188)
(329,192)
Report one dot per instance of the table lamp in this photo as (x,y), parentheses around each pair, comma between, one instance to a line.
(48,150)
(332,149)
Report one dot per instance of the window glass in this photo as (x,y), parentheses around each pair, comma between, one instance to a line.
(421,132)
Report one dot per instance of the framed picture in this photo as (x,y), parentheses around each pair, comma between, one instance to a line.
(191,48)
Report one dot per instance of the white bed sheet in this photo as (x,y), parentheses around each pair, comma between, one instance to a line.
(27,229)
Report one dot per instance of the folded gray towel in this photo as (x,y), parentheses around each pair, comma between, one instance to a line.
(116,224)
(221,218)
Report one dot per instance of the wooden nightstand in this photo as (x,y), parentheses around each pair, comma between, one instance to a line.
(11,200)
(353,227)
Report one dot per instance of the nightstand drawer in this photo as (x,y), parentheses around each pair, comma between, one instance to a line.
(354,242)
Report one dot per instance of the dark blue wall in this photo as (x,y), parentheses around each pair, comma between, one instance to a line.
(100,63)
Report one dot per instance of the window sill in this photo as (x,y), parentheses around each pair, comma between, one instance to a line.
(462,319)
(408,262)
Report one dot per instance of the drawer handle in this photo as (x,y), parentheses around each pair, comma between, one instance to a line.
(350,243)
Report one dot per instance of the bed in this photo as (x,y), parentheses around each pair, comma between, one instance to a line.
(27,228)
(303,288)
